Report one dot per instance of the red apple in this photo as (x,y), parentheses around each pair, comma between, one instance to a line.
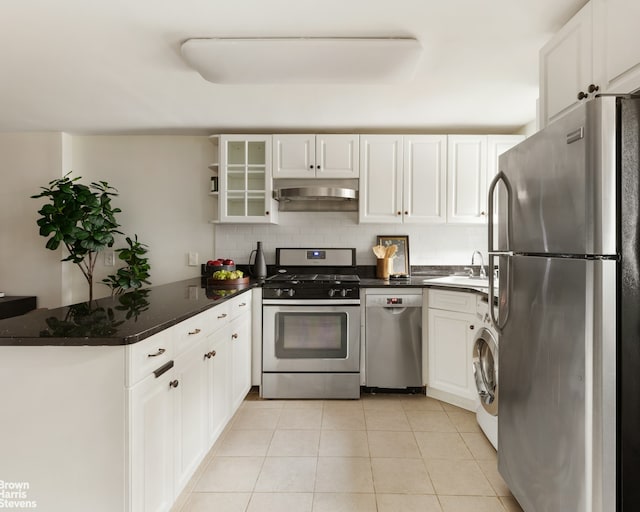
(228,262)
(217,263)
(210,262)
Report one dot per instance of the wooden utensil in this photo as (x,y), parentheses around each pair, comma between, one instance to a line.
(379,251)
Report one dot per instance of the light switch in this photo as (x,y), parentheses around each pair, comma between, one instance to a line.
(193,259)
(109,259)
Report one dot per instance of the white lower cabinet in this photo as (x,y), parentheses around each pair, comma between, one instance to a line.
(190,411)
(177,416)
(451,333)
(240,335)
(151,438)
(218,384)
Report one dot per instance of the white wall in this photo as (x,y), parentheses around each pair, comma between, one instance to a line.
(428,245)
(28,161)
(163,184)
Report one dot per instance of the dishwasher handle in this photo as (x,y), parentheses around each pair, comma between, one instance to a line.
(394,301)
(394,310)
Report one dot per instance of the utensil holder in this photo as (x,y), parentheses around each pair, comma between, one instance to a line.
(384,267)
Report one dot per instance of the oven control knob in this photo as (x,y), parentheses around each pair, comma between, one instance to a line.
(343,292)
(291,292)
(278,292)
(332,292)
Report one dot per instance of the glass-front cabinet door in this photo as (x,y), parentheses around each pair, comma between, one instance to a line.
(245,181)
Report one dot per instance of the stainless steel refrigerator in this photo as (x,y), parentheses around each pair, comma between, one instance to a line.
(564,231)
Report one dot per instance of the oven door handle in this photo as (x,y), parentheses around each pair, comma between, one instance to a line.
(310,302)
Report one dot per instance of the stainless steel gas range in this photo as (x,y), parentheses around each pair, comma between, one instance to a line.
(311,325)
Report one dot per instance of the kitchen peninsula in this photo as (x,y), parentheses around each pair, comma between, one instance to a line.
(112,407)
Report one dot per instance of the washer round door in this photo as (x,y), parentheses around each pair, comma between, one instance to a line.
(485,369)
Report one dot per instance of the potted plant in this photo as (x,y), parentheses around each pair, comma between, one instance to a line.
(81,218)
(136,270)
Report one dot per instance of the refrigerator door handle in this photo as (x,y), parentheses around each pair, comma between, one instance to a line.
(493,252)
(492,190)
(507,277)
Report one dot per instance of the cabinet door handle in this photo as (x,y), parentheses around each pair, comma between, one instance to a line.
(213,353)
(593,88)
(195,331)
(472,327)
(311,166)
(317,167)
(482,214)
(158,353)
(399,213)
(582,95)
(223,315)
(266,213)
(406,213)
(234,336)
(209,355)
(242,305)
(174,383)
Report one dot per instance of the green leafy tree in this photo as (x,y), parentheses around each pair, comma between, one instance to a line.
(136,271)
(81,218)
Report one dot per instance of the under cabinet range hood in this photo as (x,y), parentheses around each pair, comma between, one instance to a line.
(315,197)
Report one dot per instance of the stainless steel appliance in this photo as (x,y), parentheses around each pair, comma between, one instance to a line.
(311,325)
(569,311)
(393,324)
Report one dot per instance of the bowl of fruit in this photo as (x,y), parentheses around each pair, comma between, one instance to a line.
(227,278)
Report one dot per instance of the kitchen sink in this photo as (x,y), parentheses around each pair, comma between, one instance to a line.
(461,281)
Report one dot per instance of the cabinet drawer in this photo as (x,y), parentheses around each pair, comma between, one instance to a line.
(452,301)
(218,317)
(147,356)
(239,305)
(192,330)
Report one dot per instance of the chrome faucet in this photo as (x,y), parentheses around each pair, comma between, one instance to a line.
(483,273)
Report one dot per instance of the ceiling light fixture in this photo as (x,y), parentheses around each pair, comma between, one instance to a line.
(303,60)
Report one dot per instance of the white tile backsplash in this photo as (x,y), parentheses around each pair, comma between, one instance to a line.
(428,244)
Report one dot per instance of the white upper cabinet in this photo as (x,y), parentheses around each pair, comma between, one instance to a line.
(616,45)
(246,185)
(566,67)
(381,188)
(472,164)
(315,156)
(424,179)
(467,179)
(403,179)
(597,51)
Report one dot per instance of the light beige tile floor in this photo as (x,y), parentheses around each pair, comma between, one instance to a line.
(383,453)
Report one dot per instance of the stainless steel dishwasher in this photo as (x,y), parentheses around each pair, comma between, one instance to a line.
(393,340)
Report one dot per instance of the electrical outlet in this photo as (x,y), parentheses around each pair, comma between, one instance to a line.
(109,259)
(193,259)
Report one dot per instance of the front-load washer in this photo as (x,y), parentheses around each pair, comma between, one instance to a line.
(485,372)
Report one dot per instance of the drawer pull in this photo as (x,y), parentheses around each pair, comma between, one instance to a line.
(223,315)
(158,353)
(235,335)
(242,305)
(163,369)
(195,331)
(174,383)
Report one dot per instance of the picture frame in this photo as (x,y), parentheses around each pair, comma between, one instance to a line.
(401,260)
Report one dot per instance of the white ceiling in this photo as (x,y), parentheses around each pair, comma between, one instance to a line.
(114,66)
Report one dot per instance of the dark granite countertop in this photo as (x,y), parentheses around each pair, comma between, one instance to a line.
(119,320)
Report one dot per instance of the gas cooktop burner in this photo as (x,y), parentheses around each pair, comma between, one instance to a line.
(331,278)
